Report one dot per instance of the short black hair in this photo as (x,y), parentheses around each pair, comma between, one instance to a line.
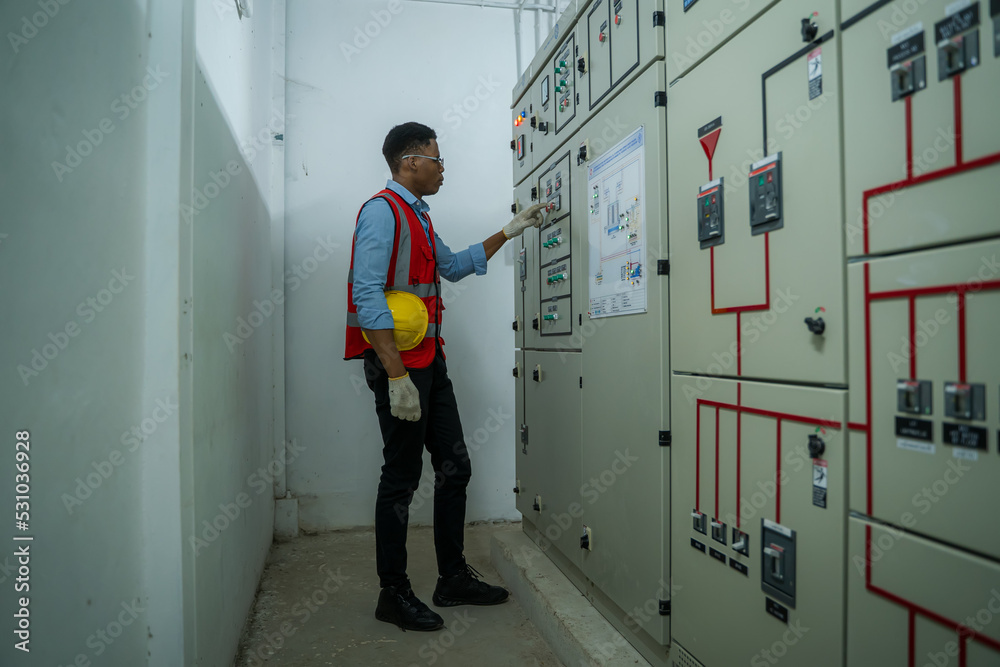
(404,139)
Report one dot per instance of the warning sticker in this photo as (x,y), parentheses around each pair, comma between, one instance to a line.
(815,69)
(819,482)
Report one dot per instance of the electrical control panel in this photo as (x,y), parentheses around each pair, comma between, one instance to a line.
(913,600)
(774,505)
(922,150)
(758,273)
(925,325)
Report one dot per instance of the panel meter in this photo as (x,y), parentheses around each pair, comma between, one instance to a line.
(711,225)
(545,92)
(520,147)
(765,195)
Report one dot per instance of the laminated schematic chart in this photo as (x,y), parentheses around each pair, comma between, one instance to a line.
(617,229)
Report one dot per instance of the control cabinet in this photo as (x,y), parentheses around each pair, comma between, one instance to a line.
(925,325)
(922,147)
(756,222)
(757,514)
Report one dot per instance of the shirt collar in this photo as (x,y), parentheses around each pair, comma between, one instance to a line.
(418,205)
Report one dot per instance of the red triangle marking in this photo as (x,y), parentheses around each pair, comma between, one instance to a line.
(709,141)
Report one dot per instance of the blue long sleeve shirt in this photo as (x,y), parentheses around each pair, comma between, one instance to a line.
(373,249)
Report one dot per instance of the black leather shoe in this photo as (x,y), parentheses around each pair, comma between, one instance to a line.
(466,588)
(398,605)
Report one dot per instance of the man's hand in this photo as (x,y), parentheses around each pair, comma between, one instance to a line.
(529,217)
(404,399)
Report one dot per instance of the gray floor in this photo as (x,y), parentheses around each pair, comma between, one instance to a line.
(317,599)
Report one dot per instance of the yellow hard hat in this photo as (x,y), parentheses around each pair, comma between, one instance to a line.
(409,319)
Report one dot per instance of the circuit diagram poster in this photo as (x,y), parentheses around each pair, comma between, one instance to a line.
(617,229)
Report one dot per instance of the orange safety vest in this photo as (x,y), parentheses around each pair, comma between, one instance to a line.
(413,269)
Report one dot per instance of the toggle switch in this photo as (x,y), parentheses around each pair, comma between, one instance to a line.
(537,505)
(718,531)
(536,374)
(698,521)
(741,542)
(551,316)
(581,64)
(774,562)
(816,446)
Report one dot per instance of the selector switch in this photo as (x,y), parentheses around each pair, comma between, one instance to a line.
(965,401)
(914,396)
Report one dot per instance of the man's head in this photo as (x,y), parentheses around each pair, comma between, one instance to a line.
(420,175)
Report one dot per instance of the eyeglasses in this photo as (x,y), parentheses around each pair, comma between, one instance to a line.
(439,160)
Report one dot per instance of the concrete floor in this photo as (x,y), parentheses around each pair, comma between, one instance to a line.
(316,606)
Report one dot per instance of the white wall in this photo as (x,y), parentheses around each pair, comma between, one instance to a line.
(343,96)
(113,514)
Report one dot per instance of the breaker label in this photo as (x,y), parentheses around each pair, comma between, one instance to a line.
(718,555)
(908,48)
(914,446)
(956,23)
(778,611)
(921,429)
(815,69)
(963,435)
(697,545)
(965,454)
(739,567)
(820,483)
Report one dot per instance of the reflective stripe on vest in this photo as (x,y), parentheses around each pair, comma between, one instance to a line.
(411,269)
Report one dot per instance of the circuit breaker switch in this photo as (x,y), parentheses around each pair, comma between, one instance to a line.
(765,195)
(741,542)
(965,401)
(698,521)
(551,316)
(817,325)
(774,562)
(914,396)
(718,531)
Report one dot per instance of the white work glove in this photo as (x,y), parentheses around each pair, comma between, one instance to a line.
(404,399)
(529,217)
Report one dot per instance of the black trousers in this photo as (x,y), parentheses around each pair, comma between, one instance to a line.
(440,430)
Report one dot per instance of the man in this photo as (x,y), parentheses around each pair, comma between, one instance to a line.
(396,248)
